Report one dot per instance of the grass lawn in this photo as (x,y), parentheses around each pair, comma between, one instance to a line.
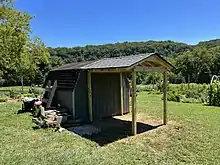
(192,136)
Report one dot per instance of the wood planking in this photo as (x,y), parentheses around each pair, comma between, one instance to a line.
(122,94)
(89,83)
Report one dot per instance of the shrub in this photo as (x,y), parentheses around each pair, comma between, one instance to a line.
(193,94)
(3,99)
(28,95)
(39,91)
(14,94)
(172,96)
(214,95)
(191,100)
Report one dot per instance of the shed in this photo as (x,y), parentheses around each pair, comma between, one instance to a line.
(93,90)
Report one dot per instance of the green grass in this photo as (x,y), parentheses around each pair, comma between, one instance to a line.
(191,137)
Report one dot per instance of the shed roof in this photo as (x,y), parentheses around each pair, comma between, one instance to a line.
(116,62)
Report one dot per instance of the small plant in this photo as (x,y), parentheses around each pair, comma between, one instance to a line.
(3,99)
(28,95)
(14,94)
(172,96)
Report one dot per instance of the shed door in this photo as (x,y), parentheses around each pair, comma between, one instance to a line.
(106,94)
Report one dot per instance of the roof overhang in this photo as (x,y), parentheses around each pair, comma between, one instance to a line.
(154,62)
(141,62)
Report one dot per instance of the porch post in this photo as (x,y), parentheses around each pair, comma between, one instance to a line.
(165,98)
(89,95)
(134,113)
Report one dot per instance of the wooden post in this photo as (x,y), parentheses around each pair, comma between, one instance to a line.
(165,98)
(134,115)
(122,94)
(89,94)
(22,85)
(73,103)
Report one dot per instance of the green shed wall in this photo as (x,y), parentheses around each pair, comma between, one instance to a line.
(106,97)
(81,97)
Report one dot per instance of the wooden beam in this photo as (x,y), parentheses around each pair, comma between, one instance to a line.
(134,113)
(122,94)
(158,69)
(165,98)
(110,70)
(89,83)
(159,61)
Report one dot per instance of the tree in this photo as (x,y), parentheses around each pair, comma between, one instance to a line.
(20,56)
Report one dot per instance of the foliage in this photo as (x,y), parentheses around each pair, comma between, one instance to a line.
(173,96)
(214,94)
(20,55)
(193,63)
(3,99)
(16,92)
(187,93)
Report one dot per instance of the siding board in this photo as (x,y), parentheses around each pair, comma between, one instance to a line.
(81,97)
(106,94)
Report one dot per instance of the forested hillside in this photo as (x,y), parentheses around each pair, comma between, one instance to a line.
(23,56)
(194,63)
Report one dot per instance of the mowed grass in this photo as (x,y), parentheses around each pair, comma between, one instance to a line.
(192,136)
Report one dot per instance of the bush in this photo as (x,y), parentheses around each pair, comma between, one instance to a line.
(214,95)
(191,100)
(28,95)
(3,99)
(172,96)
(15,94)
(193,94)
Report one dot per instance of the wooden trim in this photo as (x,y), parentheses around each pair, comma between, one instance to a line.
(110,70)
(122,94)
(89,83)
(160,61)
(51,94)
(158,69)
(73,104)
(165,98)
(134,113)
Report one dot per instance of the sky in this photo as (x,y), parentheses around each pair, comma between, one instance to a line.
(91,22)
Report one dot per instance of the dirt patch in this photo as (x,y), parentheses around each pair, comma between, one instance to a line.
(141,118)
(12,100)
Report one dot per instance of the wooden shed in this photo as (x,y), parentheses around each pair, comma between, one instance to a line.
(93,90)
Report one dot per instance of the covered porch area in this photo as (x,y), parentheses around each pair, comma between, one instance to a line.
(131,65)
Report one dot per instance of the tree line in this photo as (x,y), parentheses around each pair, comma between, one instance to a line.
(23,56)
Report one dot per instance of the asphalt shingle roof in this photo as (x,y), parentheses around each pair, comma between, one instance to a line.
(72,66)
(116,62)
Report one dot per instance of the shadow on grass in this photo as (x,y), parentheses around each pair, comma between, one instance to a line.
(112,129)
(20,111)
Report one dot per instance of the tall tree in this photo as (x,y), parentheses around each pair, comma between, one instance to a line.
(19,55)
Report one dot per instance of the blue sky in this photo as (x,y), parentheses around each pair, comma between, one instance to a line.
(85,22)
